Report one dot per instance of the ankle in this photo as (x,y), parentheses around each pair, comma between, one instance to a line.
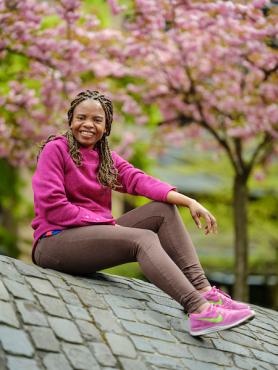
(202,308)
(205,289)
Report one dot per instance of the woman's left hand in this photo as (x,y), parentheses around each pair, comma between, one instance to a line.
(197,211)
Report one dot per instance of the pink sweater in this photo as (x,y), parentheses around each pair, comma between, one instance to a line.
(66,195)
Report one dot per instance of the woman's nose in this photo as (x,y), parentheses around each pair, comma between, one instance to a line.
(89,123)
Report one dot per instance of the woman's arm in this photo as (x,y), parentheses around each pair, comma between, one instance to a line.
(136,182)
(196,209)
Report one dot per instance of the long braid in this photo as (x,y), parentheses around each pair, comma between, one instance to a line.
(107,173)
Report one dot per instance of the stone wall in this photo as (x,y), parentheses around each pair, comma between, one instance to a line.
(51,320)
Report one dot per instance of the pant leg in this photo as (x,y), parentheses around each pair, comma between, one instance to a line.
(87,249)
(165,220)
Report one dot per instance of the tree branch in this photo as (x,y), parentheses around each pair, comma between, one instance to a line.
(37,59)
(267,139)
(238,153)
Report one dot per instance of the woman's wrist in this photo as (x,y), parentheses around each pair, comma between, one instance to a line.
(179,199)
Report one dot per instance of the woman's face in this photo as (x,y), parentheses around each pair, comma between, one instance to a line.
(88,123)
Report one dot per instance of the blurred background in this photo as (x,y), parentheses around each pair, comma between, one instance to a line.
(195,91)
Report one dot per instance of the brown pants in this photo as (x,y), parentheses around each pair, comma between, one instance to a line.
(153,234)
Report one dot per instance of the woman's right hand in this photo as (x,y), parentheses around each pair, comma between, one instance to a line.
(197,211)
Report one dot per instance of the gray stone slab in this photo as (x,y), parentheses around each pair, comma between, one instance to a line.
(105,320)
(271,348)
(43,338)
(151,291)
(69,297)
(124,302)
(148,331)
(107,279)
(265,338)
(55,361)
(166,310)
(8,269)
(129,293)
(89,331)
(89,298)
(248,363)
(195,341)
(239,338)
(152,318)
(259,324)
(164,362)
(19,290)
(80,357)
(27,269)
(15,341)
(42,286)
(54,306)
(124,313)
(103,354)
(180,324)
(226,346)
(78,312)
(8,314)
(245,331)
(4,294)
(167,301)
(21,363)
(57,282)
(211,356)
(128,364)
(100,289)
(142,343)
(65,329)
(76,281)
(31,313)
(267,357)
(198,365)
(120,345)
(171,349)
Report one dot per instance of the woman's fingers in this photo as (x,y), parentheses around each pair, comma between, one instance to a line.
(211,224)
(196,218)
(208,222)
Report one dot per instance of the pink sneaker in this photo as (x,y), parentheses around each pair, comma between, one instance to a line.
(218,297)
(216,318)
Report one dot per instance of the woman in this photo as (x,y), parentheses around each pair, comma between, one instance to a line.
(76,233)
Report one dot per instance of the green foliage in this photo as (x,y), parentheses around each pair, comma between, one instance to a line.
(9,200)
(101,9)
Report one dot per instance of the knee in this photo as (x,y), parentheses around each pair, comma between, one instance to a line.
(165,208)
(147,239)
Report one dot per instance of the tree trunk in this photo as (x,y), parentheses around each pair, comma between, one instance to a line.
(240,190)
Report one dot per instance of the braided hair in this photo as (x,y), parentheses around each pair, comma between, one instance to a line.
(107,173)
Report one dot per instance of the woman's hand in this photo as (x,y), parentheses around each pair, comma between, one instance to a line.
(197,211)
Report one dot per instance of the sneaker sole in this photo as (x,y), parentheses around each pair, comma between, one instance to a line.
(223,327)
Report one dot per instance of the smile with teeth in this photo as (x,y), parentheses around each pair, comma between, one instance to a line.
(87,133)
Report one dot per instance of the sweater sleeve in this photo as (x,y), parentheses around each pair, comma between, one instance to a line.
(49,191)
(135,181)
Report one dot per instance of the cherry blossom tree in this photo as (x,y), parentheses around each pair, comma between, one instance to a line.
(210,66)
(48,54)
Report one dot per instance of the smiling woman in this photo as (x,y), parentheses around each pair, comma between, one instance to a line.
(76,233)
